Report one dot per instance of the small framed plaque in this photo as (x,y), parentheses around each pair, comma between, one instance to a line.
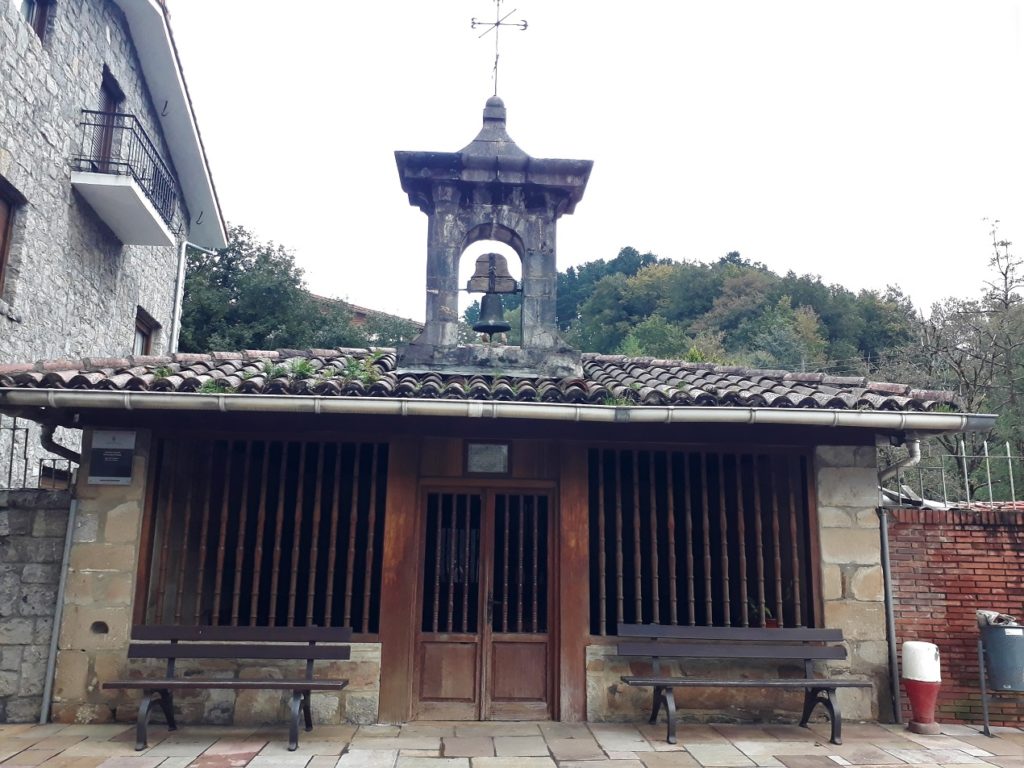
(487,458)
(110,460)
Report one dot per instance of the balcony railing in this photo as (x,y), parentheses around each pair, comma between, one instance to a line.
(116,143)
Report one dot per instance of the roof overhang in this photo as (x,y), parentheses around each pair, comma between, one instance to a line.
(161,68)
(915,423)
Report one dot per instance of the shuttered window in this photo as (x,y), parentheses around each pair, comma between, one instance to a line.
(266,533)
(699,539)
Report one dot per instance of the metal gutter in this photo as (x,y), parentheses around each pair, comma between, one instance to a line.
(912,421)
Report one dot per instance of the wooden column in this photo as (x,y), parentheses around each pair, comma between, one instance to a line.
(399,580)
(573,583)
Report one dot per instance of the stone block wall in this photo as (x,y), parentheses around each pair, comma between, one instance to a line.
(846,481)
(71,288)
(945,566)
(32,531)
(98,613)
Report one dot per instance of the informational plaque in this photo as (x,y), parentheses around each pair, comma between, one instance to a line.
(110,460)
(487,458)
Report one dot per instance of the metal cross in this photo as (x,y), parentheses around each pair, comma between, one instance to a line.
(496,25)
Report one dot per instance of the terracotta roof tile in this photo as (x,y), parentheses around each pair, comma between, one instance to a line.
(607,379)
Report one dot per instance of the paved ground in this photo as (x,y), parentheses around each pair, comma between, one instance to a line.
(509,745)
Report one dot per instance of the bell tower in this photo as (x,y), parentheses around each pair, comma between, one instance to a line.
(492,190)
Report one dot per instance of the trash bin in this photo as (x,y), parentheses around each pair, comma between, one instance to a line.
(1001,662)
(1004,654)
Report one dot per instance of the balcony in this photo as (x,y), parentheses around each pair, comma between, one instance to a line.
(120,174)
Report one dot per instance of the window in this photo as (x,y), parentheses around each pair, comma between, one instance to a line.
(700,538)
(265,533)
(37,14)
(9,202)
(145,330)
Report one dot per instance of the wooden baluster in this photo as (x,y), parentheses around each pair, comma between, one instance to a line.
(300,502)
(507,517)
(332,554)
(638,598)
(776,545)
(186,525)
(453,553)
(438,564)
(242,524)
(706,518)
(656,598)
(467,575)
(741,532)
(536,557)
(261,516)
(353,527)
(370,539)
(690,545)
(602,565)
(670,503)
(315,546)
(795,539)
(275,574)
(204,538)
(618,538)
(225,509)
(170,471)
(723,524)
(521,557)
(759,534)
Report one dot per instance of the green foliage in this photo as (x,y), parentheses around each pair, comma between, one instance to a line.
(274,371)
(214,387)
(361,369)
(250,295)
(301,368)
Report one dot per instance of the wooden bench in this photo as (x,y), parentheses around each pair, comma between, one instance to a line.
(809,645)
(264,643)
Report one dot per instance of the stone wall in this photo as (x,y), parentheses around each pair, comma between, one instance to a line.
(851,572)
(98,613)
(846,480)
(32,530)
(945,566)
(72,289)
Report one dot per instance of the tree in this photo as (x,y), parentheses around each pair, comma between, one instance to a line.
(250,295)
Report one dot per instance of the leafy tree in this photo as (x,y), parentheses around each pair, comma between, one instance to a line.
(250,295)
(789,338)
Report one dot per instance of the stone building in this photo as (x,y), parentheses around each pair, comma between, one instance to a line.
(103,179)
(482,517)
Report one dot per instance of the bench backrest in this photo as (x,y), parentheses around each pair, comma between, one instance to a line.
(265,643)
(654,641)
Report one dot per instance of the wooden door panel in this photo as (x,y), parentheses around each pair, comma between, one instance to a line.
(449,680)
(519,671)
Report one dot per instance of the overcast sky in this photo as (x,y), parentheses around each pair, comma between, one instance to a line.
(861,141)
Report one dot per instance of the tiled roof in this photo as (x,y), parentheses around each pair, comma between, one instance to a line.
(606,380)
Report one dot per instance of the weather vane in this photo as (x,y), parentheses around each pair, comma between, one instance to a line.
(496,25)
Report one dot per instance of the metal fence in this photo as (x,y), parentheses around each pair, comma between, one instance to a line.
(25,464)
(979,476)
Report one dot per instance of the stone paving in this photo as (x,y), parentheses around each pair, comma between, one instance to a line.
(509,745)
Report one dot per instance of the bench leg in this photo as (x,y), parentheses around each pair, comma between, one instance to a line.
(827,698)
(306,710)
(656,706)
(670,711)
(141,742)
(293,723)
(167,705)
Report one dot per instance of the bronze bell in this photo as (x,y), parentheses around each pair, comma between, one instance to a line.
(492,316)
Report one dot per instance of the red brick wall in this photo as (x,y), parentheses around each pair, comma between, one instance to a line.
(945,565)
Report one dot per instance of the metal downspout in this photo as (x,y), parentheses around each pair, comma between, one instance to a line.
(890,618)
(179,291)
(46,439)
(58,615)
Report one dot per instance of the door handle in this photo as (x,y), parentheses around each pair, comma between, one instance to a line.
(491,602)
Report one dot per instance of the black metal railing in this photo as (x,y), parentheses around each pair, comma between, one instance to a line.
(116,143)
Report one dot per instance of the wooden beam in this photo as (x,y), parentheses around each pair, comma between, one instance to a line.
(400,575)
(573,605)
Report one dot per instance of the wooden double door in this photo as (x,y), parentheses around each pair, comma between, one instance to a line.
(483,649)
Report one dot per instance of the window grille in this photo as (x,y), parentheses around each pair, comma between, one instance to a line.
(699,539)
(266,533)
